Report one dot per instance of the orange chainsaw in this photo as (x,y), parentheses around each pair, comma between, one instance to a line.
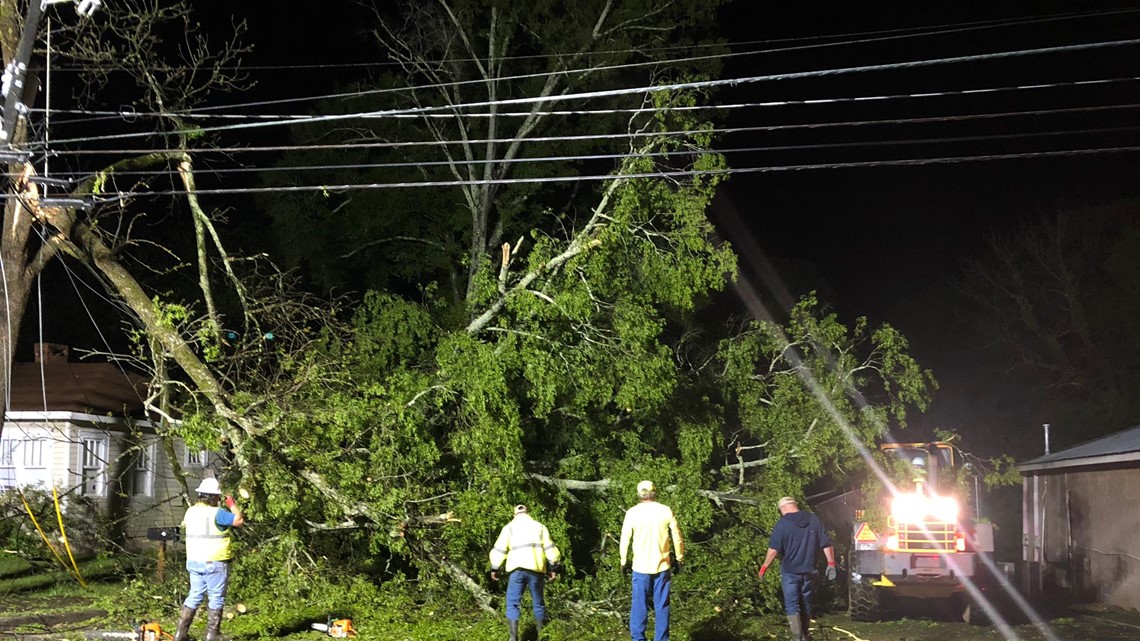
(152,632)
(336,628)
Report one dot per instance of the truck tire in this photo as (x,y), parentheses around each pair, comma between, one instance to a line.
(975,614)
(864,603)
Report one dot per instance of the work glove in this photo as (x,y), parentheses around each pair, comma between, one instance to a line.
(760,574)
(625,570)
(678,565)
(230,502)
(830,571)
(494,575)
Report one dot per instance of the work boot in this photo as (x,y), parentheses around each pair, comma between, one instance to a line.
(514,627)
(214,625)
(185,618)
(794,622)
(538,628)
(805,621)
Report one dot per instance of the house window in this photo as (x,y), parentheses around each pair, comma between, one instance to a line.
(23,462)
(35,461)
(142,470)
(95,466)
(8,451)
(196,458)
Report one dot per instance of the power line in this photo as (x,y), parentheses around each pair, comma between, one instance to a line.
(584,137)
(115,115)
(939,29)
(958,28)
(330,188)
(655,154)
(605,93)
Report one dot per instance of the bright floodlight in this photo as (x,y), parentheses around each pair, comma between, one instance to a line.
(915,508)
(908,508)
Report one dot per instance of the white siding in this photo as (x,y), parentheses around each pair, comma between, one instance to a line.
(162,505)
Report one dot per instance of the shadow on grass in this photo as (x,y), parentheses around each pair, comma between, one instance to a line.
(720,629)
(92,571)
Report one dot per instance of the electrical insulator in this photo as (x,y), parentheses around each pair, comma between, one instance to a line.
(87,7)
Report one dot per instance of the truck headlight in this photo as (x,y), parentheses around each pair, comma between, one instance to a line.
(908,508)
(944,509)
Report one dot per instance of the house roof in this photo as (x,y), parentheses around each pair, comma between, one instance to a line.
(1121,447)
(77,387)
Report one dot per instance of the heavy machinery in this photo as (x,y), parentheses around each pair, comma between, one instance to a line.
(924,543)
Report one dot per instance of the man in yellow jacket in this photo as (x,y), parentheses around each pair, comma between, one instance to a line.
(207,529)
(648,526)
(524,545)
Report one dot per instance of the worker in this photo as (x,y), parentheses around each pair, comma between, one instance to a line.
(208,530)
(920,473)
(531,559)
(648,525)
(796,537)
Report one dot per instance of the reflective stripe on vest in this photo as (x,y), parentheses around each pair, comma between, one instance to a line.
(205,541)
(524,544)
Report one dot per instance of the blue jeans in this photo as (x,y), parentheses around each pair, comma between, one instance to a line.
(650,589)
(797,592)
(207,577)
(516,583)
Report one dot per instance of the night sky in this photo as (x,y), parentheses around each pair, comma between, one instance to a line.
(879,241)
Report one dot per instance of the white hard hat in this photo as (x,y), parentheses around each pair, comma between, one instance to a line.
(919,461)
(209,486)
(646,487)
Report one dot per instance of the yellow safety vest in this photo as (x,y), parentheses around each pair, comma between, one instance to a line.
(205,541)
(524,544)
(648,526)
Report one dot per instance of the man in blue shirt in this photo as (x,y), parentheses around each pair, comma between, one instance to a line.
(796,538)
(208,530)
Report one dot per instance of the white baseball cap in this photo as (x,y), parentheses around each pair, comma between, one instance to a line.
(785,501)
(520,509)
(646,487)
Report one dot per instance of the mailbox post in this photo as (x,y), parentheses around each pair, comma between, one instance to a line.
(162,535)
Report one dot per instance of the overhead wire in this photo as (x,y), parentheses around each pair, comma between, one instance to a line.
(601,136)
(117,115)
(652,154)
(331,188)
(937,29)
(647,89)
(951,28)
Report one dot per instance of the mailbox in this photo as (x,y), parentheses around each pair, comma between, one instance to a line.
(163,533)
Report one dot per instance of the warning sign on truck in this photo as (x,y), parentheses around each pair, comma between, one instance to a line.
(865,534)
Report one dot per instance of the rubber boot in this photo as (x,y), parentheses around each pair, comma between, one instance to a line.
(514,627)
(805,621)
(797,626)
(185,618)
(214,625)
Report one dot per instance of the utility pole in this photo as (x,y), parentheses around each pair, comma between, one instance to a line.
(17,70)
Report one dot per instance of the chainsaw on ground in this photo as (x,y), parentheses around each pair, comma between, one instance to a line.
(336,628)
(152,632)
(142,632)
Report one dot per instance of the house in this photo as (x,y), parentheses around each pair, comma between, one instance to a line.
(89,438)
(1081,519)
